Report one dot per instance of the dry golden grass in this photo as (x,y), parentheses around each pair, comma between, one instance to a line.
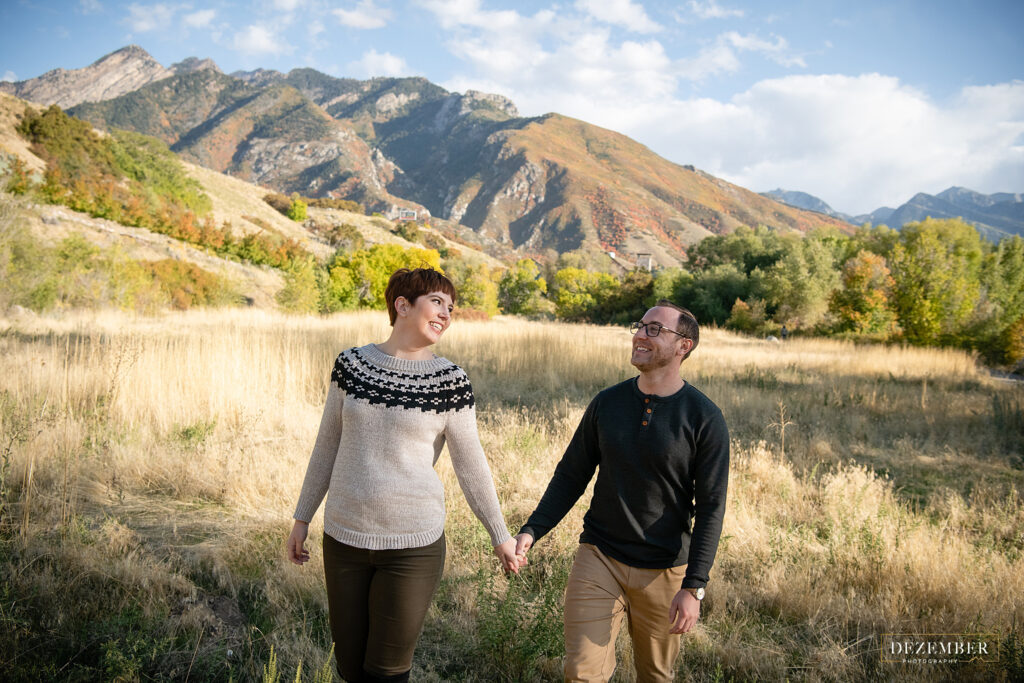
(155,463)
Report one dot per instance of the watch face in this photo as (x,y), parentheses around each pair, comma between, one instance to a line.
(700,593)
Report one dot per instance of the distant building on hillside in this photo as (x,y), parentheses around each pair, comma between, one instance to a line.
(405,215)
(645,262)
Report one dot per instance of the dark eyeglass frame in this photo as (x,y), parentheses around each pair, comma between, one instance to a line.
(634,327)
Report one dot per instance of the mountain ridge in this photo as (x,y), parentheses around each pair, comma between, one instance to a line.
(114,74)
(540,185)
(996,216)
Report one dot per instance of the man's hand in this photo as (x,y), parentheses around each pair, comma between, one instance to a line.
(523,543)
(296,551)
(684,612)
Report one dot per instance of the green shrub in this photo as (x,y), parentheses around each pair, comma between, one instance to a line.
(408,231)
(187,285)
(331,203)
(278,202)
(124,177)
(301,291)
(297,210)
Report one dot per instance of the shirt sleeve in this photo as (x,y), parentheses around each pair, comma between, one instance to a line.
(711,482)
(572,475)
(473,472)
(321,461)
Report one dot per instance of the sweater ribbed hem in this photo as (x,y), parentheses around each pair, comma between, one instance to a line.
(359,539)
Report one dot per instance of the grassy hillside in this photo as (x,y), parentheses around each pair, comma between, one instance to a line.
(149,475)
(113,188)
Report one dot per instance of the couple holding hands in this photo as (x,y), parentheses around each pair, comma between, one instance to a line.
(659,446)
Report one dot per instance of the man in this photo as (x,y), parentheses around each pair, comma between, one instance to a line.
(661,451)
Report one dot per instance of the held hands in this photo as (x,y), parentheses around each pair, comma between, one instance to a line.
(512,552)
(295,547)
(506,553)
(683,612)
(523,543)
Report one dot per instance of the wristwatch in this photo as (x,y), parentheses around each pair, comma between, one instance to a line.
(695,592)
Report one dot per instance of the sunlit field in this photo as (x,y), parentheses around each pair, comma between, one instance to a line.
(150,467)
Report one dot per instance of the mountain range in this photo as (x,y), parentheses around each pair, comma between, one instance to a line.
(995,216)
(540,186)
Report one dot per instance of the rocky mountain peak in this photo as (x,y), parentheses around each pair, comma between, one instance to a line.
(259,77)
(117,73)
(192,64)
(499,102)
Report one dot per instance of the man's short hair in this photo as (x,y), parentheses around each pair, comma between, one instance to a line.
(413,283)
(687,324)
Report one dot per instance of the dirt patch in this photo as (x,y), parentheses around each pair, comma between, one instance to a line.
(11,110)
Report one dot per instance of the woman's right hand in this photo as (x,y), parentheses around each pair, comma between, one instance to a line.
(296,551)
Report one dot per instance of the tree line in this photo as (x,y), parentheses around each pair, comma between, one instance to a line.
(935,282)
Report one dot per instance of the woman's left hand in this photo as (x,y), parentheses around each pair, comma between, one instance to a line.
(506,553)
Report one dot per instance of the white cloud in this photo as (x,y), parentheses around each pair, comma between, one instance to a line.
(712,10)
(200,19)
(9,76)
(89,6)
(365,15)
(255,39)
(287,5)
(777,50)
(468,13)
(375,63)
(623,13)
(858,142)
(145,18)
(722,55)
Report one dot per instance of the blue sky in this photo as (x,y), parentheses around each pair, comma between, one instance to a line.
(860,103)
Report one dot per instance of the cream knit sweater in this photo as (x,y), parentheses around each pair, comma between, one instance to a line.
(384,424)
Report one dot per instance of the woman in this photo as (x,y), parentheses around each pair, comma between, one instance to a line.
(390,409)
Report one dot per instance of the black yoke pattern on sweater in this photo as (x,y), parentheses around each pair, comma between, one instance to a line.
(438,391)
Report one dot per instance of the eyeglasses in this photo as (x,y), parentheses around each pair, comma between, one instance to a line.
(652,329)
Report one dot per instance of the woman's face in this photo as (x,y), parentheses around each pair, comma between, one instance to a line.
(428,318)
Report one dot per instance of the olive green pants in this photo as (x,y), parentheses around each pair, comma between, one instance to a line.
(378,601)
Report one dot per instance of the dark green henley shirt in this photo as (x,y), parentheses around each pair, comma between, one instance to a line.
(662,472)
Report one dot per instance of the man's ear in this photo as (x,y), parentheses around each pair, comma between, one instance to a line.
(685,347)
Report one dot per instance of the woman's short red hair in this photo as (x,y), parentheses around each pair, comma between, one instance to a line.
(413,283)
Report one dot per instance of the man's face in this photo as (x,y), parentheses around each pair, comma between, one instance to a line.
(651,353)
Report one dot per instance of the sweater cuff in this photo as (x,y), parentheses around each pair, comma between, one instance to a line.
(304,512)
(499,536)
(691,582)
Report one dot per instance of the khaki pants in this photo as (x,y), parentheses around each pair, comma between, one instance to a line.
(600,592)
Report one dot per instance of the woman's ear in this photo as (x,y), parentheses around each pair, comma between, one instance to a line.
(402,305)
